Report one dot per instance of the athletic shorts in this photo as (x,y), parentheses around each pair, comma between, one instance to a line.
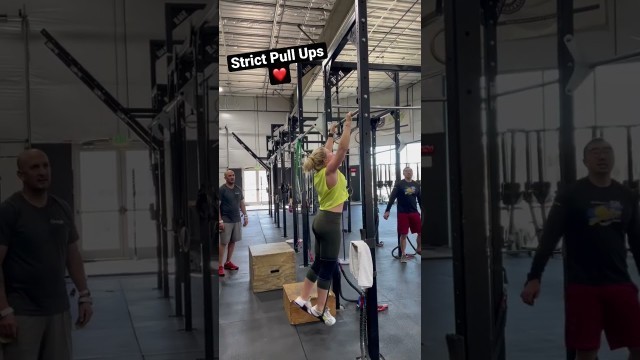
(41,337)
(408,221)
(232,233)
(592,309)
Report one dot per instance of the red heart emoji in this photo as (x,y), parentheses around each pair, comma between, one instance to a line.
(279,74)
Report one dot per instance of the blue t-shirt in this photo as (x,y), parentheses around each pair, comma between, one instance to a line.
(34,268)
(593,222)
(230,203)
(407,193)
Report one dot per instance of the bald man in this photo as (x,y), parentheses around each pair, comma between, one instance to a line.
(231,203)
(38,244)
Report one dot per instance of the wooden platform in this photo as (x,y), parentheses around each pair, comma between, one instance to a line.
(296,315)
(272,265)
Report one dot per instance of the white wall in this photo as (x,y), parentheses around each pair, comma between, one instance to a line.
(250,118)
(608,98)
(109,38)
(619,36)
(9,182)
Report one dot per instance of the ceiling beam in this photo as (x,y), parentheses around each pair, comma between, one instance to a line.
(267,22)
(254,3)
(341,13)
(407,32)
(254,35)
(378,67)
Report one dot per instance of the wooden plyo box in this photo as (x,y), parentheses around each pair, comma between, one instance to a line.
(296,315)
(272,265)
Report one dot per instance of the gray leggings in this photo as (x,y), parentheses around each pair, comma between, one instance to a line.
(327,229)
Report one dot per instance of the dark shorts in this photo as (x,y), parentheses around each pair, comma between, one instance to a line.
(408,221)
(592,309)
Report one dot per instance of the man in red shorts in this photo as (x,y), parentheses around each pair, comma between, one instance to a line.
(407,192)
(594,215)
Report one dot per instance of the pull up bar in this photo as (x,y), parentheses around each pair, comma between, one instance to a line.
(288,145)
(310,129)
(374,107)
(353,113)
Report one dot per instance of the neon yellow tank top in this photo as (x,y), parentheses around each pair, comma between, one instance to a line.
(330,198)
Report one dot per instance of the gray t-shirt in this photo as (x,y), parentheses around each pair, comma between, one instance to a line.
(230,203)
(35,265)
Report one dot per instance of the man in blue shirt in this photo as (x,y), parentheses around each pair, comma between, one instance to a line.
(231,202)
(407,192)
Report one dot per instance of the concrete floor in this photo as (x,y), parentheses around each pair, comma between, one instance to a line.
(123,267)
(254,326)
(531,333)
(133,322)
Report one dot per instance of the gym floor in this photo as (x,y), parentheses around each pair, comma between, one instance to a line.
(255,326)
(531,333)
(133,322)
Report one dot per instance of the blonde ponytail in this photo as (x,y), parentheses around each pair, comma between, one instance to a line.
(315,161)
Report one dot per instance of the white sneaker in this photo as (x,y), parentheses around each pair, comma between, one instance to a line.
(326,316)
(403,259)
(300,302)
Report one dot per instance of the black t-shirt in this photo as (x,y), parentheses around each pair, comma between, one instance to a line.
(35,265)
(230,203)
(593,221)
(407,194)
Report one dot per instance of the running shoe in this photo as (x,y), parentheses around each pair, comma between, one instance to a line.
(230,266)
(304,305)
(328,319)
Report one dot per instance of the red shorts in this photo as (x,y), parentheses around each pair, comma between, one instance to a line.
(408,221)
(592,309)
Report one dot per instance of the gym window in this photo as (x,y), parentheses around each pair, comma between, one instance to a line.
(255,187)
